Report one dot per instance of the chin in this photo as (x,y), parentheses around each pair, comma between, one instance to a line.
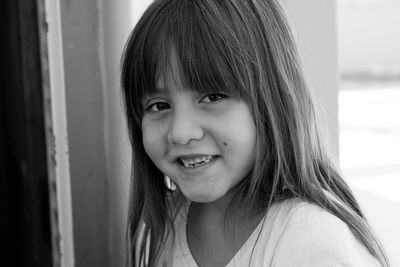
(199,198)
(202,198)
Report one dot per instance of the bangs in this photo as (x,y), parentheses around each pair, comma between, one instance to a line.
(192,30)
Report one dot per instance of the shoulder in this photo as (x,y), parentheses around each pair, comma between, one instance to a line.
(311,236)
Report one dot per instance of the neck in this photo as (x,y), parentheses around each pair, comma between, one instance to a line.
(217,208)
(223,209)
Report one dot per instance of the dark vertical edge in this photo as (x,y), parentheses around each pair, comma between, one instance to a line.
(35,168)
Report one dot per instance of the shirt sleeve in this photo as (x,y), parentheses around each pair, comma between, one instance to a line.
(314,237)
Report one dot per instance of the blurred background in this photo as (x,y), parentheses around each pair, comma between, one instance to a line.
(369,111)
(64,149)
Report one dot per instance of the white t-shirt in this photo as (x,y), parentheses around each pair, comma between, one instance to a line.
(293,233)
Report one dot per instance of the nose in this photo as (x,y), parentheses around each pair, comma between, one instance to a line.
(184,128)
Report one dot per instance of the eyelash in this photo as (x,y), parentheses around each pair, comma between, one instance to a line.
(220,98)
(150,108)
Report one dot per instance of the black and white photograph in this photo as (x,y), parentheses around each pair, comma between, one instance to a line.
(200,133)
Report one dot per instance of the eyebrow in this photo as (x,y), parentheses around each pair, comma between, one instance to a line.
(158,91)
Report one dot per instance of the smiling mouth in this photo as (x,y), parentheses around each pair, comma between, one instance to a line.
(194,162)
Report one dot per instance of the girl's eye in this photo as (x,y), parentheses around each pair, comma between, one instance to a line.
(159,106)
(213,98)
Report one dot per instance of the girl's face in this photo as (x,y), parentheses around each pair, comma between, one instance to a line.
(204,142)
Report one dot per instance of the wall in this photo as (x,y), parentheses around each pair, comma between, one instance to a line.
(314,26)
(86,130)
(369,36)
(117,21)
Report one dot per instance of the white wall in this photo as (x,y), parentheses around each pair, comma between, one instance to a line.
(314,26)
(369,36)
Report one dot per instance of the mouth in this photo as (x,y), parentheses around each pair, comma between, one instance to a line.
(195,161)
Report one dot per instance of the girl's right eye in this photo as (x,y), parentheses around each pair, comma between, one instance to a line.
(159,106)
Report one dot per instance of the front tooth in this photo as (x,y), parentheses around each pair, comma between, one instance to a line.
(193,161)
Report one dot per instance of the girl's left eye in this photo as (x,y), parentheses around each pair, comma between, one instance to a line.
(213,98)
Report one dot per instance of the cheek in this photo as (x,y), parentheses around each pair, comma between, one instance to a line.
(147,145)
(240,142)
(151,141)
(242,133)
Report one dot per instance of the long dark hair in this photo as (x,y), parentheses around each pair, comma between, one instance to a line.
(242,47)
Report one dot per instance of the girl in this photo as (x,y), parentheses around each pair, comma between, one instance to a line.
(217,106)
